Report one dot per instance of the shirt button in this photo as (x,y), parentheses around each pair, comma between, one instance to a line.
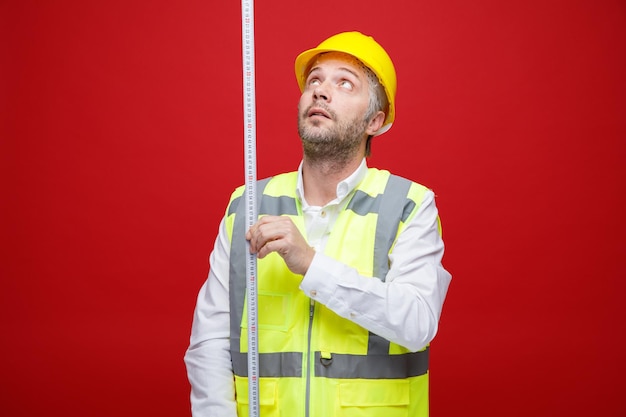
(313,293)
(323,213)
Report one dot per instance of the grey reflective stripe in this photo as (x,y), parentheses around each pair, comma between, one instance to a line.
(362,203)
(289,364)
(372,366)
(270,205)
(278,364)
(237,272)
(391,213)
(392,207)
(234,205)
(278,206)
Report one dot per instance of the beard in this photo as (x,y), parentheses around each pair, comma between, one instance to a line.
(336,144)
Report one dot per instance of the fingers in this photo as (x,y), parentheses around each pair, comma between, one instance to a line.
(267,230)
(279,234)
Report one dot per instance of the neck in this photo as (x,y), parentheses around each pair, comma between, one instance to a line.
(320,179)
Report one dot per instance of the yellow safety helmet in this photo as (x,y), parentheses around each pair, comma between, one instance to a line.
(365,49)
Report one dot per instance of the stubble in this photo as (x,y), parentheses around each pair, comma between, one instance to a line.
(334,146)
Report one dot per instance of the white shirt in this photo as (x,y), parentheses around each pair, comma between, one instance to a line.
(404,309)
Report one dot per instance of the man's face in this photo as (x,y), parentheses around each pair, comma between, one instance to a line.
(332,108)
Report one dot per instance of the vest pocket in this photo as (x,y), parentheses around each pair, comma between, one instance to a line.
(274,311)
(363,398)
(268,396)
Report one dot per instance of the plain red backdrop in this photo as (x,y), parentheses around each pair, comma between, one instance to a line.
(122,138)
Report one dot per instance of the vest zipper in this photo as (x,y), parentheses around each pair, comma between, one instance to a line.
(309,361)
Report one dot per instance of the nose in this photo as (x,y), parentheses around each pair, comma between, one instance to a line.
(321,92)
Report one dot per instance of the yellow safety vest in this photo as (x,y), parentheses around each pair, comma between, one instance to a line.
(313,363)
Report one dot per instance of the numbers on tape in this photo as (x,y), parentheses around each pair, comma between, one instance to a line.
(249,98)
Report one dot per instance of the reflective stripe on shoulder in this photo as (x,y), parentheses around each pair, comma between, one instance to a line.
(237,271)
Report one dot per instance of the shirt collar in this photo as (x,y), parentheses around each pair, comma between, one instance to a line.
(344,187)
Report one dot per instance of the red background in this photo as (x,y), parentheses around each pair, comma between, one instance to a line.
(122,138)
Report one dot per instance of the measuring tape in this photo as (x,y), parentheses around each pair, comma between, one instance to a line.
(249,95)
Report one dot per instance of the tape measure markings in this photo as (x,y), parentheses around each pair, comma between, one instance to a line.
(249,96)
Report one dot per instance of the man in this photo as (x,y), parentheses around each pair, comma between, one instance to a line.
(350,281)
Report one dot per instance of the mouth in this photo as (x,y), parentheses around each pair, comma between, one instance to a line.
(318,112)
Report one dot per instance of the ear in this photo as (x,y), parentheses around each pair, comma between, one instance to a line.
(375,123)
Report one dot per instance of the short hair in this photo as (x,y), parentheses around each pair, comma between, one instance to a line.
(377,101)
(377,97)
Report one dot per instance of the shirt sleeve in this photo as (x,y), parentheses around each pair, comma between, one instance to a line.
(404,308)
(208,358)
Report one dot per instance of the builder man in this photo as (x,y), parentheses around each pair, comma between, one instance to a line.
(350,280)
